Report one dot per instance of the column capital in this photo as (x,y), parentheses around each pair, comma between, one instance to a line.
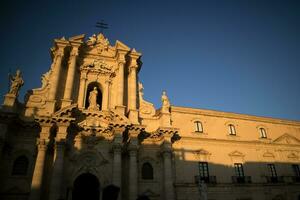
(132,149)
(117,148)
(166,152)
(135,130)
(74,52)
(132,69)
(42,144)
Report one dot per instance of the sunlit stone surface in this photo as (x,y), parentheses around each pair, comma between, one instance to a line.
(88,133)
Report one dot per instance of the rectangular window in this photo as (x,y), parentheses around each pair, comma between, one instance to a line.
(203,170)
(263,133)
(239,171)
(272,170)
(198,127)
(231,129)
(296,170)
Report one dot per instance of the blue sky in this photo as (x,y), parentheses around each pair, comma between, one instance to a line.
(234,55)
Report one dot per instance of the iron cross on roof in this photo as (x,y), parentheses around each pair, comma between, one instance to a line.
(101,25)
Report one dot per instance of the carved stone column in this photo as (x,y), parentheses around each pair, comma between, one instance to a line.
(133,173)
(71,75)
(58,162)
(120,98)
(38,173)
(82,92)
(132,101)
(167,159)
(117,160)
(133,169)
(132,87)
(105,104)
(168,179)
(55,74)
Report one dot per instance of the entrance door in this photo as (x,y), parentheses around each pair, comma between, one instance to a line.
(86,186)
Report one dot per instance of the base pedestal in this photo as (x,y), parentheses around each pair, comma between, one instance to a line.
(66,102)
(133,116)
(10,103)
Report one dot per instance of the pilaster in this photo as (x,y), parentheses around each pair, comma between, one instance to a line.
(120,98)
(67,100)
(58,162)
(82,88)
(55,74)
(117,160)
(106,97)
(38,173)
(134,131)
(168,133)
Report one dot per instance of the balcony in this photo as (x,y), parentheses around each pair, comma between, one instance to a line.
(207,180)
(274,179)
(241,179)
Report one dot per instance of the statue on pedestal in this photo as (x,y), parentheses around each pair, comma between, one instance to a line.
(165,103)
(93,99)
(16,83)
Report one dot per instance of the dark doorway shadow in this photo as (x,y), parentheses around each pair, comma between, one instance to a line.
(111,192)
(143,197)
(86,186)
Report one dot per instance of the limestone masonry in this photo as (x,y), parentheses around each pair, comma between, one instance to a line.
(88,133)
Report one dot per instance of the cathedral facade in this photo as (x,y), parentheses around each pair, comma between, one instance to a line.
(88,133)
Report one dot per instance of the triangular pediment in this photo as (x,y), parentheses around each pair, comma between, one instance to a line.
(121,46)
(293,156)
(202,152)
(286,139)
(236,154)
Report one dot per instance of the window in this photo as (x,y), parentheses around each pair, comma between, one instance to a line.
(198,127)
(147,171)
(20,166)
(296,170)
(272,170)
(203,170)
(231,129)
(238,168)
(263,133)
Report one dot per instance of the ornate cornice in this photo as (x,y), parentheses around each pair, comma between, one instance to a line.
(232,115)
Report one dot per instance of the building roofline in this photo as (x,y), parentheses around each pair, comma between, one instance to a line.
(215,113)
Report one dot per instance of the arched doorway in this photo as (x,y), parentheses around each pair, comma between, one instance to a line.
(86,186)
(90,88)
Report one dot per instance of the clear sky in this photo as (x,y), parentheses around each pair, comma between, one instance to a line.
(233,55)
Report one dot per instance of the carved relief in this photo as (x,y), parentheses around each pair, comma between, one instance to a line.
(202,155)
(237,157)
(287,139)
(98,66)
(100,45)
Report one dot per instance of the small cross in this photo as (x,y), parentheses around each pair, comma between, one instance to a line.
(101,25)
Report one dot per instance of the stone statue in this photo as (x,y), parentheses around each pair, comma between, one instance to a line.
(16,83)
(165,103)
(93,100)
